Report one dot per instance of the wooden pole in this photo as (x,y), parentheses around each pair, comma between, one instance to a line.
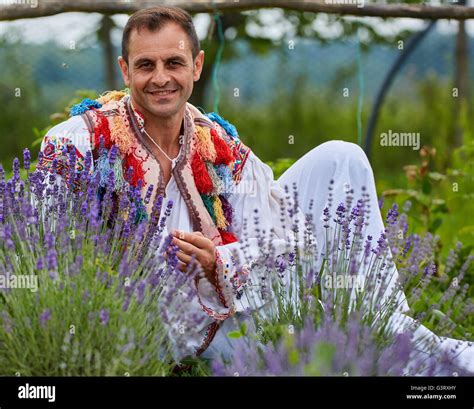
(16,9)
(461,79)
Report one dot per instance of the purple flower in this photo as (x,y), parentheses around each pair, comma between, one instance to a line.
(16,170)
(26,159)
(104,317)
(86,295)
(44,317)
(340,212)
(51,259)
(141,291)
(7,322)
(113,154)
(326,218)
(40,263)
(392,215)
(149,192)
(280,264)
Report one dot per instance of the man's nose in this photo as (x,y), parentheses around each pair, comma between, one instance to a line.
(160,76)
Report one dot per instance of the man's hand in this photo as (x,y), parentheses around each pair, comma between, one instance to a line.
(201,247)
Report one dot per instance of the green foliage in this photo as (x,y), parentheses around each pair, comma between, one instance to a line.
(74,341)
(280,165)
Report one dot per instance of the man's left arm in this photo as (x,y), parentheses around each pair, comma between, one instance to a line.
(265,206)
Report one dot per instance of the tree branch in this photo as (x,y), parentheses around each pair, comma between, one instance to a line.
(16,9)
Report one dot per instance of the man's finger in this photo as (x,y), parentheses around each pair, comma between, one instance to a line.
(187,248)
(182,266)
(183,257)
(195,239)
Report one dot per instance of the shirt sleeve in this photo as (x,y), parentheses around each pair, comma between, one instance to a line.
(60,140)
(266,221)
(58,143)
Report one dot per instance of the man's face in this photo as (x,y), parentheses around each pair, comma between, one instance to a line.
(160,71)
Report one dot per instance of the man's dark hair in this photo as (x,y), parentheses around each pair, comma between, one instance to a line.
(155,18)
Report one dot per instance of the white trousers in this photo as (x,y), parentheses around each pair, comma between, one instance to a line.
(347,165)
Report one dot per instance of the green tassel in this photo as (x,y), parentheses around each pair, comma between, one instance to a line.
(118,172)
(141,213)
(209,203)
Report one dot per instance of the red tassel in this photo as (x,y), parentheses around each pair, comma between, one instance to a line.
(138,173)
(224,154)
(102,131)
(201,177)
(227,237)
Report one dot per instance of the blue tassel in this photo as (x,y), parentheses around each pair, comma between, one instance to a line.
(229,128)
(102,168)
(224,174)
(84,106)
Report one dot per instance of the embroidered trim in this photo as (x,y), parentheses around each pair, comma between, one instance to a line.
(241,152)
(90,127)
(178,172)
(219,266)
(60,148)
(220,276)
(135,133)
(208,337)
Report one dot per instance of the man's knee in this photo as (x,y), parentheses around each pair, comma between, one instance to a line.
(337,151)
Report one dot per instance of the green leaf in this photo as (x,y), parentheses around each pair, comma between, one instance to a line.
(234,334)
(435,225)
(37,142)
(426,186)
(293,357)
(243,328)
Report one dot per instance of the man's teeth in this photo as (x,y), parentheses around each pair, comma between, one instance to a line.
(162,92)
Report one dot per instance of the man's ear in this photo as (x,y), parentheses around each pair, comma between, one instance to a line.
(124,68)
(198,64)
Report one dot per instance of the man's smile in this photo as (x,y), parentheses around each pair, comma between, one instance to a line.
(163,94)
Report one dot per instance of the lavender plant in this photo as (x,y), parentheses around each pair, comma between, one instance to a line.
(331,311)
(87,286)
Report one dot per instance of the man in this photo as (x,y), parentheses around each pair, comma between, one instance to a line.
(199,162)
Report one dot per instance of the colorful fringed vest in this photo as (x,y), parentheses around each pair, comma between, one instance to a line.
(208,167)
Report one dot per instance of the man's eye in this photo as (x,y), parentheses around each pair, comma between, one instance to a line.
(175,63)
(145,65)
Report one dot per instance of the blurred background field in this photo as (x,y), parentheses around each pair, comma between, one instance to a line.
(288,81)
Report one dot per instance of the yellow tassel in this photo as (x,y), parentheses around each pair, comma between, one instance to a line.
(120,135)
(221,221)
(124,214)
(204,145)
(111,96)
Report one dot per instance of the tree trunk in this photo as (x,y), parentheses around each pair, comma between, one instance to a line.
(104,36)
(461,81)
